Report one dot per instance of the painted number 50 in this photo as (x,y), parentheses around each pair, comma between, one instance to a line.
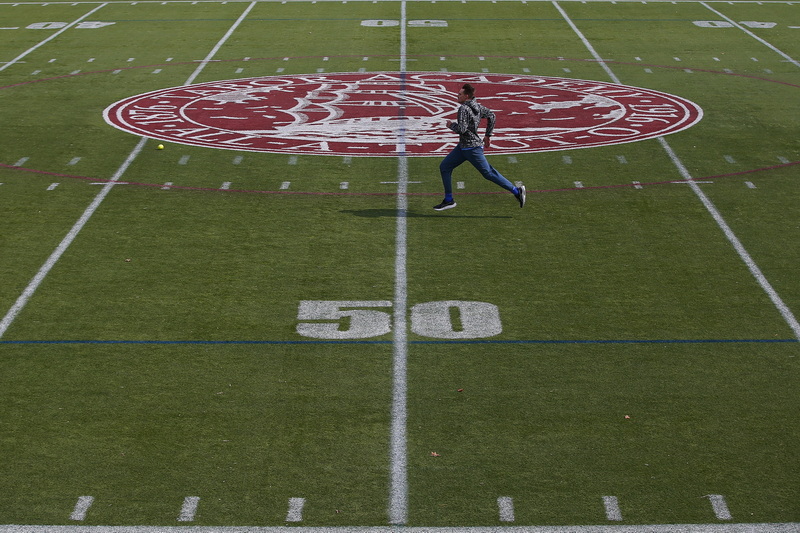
(356,319)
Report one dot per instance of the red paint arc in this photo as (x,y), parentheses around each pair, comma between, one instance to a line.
(388,113)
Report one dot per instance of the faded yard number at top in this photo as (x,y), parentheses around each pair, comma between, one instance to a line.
(85,25)
(355,319)
(724,24)
(411,23)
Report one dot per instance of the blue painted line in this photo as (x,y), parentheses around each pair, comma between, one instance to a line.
(610,341)
(389,342)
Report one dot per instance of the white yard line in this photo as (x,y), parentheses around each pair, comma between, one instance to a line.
(48,265)
(295,513)
(505,506)
(37,280)
(611,505)
(784,310)
(189,509)
(398,475)
(720,507)
(221,42)
(753,35)
(81,508)
(777,301)
(51,37)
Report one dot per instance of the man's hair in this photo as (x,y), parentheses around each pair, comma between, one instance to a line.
(469,90)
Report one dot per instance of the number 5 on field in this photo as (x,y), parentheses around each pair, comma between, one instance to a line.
(349,320)
(362,323)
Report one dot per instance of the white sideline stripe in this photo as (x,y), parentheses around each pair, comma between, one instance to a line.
(753,35)
(720,507)
(398,460)
(790,527)
(505,505)
(26,295)
(612,508)
(784,310)
(81,508)
(295,513)
(189,509)
(51,37)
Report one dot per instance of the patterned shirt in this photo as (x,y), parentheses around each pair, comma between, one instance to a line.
(470,114)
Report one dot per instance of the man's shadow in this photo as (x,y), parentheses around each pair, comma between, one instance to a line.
(394,213)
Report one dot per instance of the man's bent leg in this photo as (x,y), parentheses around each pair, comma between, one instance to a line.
(478,160)
(446,167)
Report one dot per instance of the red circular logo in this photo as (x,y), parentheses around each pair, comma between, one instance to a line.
(387,113)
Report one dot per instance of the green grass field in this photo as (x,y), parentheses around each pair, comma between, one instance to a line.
(155,344)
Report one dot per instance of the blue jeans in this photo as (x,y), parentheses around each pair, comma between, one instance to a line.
(475,156)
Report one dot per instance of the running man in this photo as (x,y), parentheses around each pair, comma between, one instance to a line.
(470,148)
